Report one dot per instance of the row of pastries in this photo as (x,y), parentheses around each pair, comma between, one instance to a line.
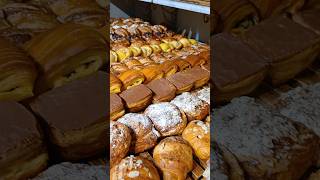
(51,52)
(158,125)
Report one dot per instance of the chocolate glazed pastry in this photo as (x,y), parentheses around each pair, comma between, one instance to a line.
(229,78)
(235,15)
(276,7)
(75,116)
(18,73)
(22,152)
(266,144)
(288,47)
(66,53)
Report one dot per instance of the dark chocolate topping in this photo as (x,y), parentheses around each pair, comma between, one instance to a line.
(115,103)
(233,60)
(180,80)
(135,94)
(76,105)
(161,88)
(278,38)
(198,73)
(18,127)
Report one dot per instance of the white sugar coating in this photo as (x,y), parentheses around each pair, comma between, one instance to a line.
(137,122)
(133,174)
(204,126)
(116,135)
(303,105)
(164,115)
(131,163)
(204,94)
(248,129)
(188,103)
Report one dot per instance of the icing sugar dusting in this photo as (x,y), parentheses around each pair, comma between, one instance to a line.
(188,103)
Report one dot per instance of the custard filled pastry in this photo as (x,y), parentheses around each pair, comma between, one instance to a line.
(197,133)
(182,81)
(167,118)
(131,78)
(169,68)
(134,167)
(115,84)
(137,98)
(120,141)
(195,108)
(194,60)
(113,57)
(118,68)
(116,107)
(162,89)
(173,155)
(152,73)
(145,136)
(66,53)
(199,75)
(18,73)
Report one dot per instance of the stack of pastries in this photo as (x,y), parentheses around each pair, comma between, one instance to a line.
(51,51)
(281,41)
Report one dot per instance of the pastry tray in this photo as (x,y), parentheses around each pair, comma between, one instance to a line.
(199,6)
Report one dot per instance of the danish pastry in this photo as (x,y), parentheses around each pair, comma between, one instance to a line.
(137,98)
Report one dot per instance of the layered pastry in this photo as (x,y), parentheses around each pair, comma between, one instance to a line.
(288,47)
(152,73)
(163,90)
(119,68)
(199,75)
(194,60)
(182,64)
(115,84)
(308,19)
(195,108)
(134,167)
(169,68)
(131,78)
(266,144)
(235,15)
(167,118)
(66,53)
(137,98)
(197,134)
(231,80)
(145,136)
(23,153)
(276,7)
(84,12)
(302,105)
(182,81)
(67,170)
(120,142)
(116,107)
(173,156)
(75,116)
(18,73)
(203,94)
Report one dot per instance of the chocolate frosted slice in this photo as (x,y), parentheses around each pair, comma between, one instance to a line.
(163,90)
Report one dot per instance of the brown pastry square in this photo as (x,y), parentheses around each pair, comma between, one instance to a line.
(137,98)
(116,107)
(237,69)
(199,75)
(75,116)
(21,144)
(163,90)
(288,47)
(182,81)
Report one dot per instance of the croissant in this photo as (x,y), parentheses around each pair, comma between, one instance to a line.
(173,155)
(18,73)
(235,15)
(115,84)
(197,133)
(131,78)
(66,53)
(86,12)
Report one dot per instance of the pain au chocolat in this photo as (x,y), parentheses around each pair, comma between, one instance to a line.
(75,116)
(22,151)
(288,47)
(237,69)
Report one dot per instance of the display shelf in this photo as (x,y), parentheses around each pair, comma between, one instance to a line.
(199,6)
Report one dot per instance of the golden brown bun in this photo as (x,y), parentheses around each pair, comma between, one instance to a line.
(66,53)
(18,73)
(152,73)
(173,156)
(167,118)
(131,78)
(197,133)
(195,108)
(145,136)
(120,141)
(115,84)
(134,167)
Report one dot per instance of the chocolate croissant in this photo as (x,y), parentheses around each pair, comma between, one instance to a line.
(66,53)
(18,73)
